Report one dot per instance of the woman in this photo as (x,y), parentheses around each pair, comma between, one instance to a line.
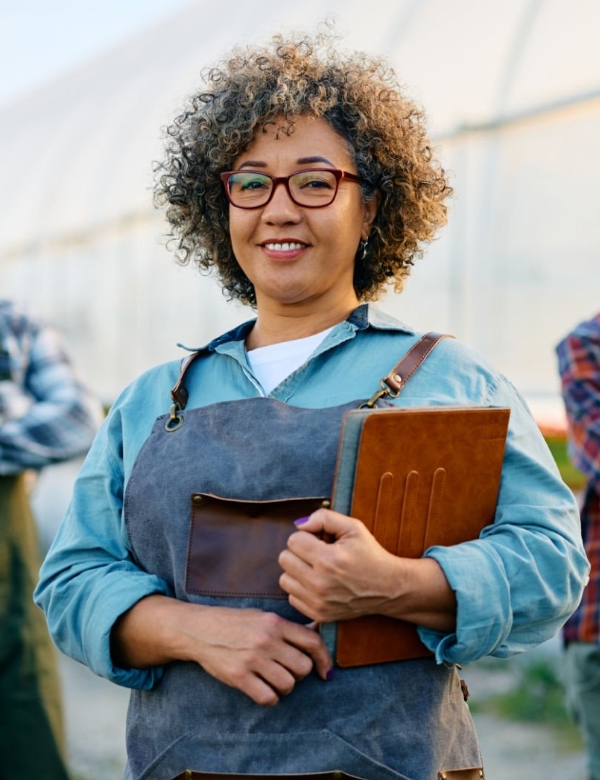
(306,180)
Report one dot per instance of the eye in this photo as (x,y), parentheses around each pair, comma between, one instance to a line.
(254,184)
(247,182)
(314,180)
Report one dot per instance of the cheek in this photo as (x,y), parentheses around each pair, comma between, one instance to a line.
(344,229)
(240,228)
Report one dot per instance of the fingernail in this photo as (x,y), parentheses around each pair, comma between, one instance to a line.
(329,675)
(301,520)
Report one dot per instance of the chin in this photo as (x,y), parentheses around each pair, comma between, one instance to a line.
(288,296)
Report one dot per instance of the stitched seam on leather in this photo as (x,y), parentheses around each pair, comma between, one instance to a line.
(424,356)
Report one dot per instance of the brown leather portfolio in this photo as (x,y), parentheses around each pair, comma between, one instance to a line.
(416,477)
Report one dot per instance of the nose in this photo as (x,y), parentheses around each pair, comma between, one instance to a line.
(281,209)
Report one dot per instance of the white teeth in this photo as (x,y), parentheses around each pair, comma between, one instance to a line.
(284,247)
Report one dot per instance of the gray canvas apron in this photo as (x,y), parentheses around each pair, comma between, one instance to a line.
(396,721)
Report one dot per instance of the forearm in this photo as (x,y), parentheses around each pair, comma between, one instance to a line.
(152,633)
(260,653)
(418,592)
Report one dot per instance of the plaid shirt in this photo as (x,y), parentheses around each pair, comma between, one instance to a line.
(46,414)
(579,366)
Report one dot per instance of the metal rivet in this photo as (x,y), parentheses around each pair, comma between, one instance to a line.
(398,378)
(197,500)
(325,504)
(337,774)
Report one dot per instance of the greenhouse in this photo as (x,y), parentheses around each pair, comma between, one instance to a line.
(512,92)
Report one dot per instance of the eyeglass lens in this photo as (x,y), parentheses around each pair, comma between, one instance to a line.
(307,188)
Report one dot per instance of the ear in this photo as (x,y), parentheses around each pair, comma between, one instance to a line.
(370,207)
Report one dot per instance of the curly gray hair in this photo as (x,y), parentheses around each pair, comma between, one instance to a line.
(293,76)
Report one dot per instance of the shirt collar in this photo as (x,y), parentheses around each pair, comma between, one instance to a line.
(364,317)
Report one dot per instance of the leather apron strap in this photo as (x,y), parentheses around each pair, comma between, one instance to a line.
(394,382)
(405,368)
(391,385)
(180,393)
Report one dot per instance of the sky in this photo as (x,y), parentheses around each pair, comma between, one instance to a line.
(40,39)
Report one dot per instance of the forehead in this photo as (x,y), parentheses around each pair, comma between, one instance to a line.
(311,137)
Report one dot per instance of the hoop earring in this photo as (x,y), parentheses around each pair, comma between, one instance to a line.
(363,246)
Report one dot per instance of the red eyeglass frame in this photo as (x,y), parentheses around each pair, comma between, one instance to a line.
(337,172)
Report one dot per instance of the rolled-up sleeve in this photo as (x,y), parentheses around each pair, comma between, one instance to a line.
(89,577)
(518,583)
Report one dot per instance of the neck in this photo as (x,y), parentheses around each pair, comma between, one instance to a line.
(287,323)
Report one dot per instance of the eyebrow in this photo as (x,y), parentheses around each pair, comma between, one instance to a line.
(310,160)
(301,161)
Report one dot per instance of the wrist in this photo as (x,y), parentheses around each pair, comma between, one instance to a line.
(152,633)
(421,594)
(178,641)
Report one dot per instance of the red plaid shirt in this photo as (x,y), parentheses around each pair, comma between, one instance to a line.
(579,366)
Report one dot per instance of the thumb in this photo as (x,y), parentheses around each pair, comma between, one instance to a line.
(327,523)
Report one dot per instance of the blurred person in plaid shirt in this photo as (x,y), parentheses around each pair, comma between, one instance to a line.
(46,416)
(579,366)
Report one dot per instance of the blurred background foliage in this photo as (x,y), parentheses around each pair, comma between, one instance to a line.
(559,448)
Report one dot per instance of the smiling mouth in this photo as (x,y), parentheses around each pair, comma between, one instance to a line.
(286,246)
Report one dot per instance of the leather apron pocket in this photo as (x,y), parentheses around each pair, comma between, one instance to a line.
(234,545)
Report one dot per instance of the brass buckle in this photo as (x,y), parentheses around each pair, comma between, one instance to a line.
(175,420)
(385,392)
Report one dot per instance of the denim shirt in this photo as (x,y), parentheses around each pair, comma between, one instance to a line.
(515,586)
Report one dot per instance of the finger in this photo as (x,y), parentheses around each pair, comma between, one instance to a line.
(322,660)
(278,677)
(304,545)
(294,591)
(268,679)
(258,690)
(327,521)
(318,609)
(245,680)
(294,662)
(319,612)
(311,643)
(297,562)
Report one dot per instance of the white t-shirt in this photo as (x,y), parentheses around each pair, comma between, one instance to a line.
(272,364)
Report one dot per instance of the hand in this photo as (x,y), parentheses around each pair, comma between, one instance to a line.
(356,576)
(260,653)
(352,576)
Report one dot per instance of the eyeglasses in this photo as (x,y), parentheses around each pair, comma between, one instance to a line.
(312,188)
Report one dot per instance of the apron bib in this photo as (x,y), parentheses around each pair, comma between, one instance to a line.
(201,481)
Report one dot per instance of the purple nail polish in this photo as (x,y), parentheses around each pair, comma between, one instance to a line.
(329,675)
(301,520)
